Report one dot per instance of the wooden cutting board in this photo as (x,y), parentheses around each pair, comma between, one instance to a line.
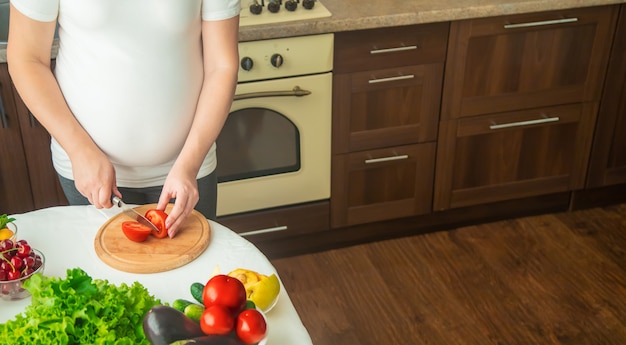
(153,255)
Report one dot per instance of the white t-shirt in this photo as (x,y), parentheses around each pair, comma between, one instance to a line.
(131,72)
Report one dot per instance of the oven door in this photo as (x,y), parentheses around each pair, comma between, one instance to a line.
(274,149)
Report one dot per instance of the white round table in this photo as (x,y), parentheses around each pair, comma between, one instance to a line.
(66,237)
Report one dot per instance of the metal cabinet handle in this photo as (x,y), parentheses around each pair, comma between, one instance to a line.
(540,23)
(525,123)
(295,92)
(263,231)
(392,50)
(3,115)
(385,80)
(386,159)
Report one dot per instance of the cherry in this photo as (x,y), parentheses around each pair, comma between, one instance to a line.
(23,249)
(13,275)
(29,261)
(6,245)
(17,263)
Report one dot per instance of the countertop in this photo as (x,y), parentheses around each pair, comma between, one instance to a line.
(350,15)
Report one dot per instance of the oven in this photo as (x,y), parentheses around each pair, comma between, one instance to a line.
(274,149)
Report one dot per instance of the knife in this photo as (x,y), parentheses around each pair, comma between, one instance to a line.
(132,213)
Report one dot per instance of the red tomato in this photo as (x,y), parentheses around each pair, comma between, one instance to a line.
(135,231)
(217,319)
(225,291)
(157,217)
(250,326)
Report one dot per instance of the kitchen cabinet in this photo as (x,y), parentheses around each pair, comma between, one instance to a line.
(607,165)
(16,194)
(520,100)
(283,222)
(28,180)
(386,99)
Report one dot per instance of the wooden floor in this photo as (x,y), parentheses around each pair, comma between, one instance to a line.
(551,279)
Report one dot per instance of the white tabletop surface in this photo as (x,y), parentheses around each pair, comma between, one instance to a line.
(66,237)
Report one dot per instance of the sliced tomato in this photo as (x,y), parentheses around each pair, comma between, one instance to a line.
(136,231)
(157,217)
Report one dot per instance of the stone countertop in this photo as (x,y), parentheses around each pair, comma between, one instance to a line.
(357,14)
(350,15)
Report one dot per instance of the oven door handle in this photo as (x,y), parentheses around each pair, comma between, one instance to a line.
(295,92)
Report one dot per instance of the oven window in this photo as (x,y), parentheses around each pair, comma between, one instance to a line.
(257,142)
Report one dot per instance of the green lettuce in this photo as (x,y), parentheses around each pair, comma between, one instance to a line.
(80,310)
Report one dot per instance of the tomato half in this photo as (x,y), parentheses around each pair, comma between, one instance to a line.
(217,319)
(157,217)
(250,326)
(136,231)
(225,291)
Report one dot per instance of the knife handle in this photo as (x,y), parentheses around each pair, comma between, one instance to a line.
(116,201)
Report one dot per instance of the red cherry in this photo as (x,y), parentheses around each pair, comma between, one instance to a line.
(13,275)
(23,249)
(5,266)
(17,263)
(29,261)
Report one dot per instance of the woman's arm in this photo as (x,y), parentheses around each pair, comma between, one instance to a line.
(28,56)
(221,63)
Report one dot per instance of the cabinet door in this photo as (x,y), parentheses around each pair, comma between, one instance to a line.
(384,108)
(525,61)
(382,184)
(380,48)
(282,222)
(15,192)
(45,186)
(607,165)
(513,155)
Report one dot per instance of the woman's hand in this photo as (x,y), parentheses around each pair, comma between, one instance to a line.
(94,177)
(184,188)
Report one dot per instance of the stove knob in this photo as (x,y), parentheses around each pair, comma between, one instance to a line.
(276,60)
(273,6)
(247,63)
(291,5)
(308,4)
(256,8)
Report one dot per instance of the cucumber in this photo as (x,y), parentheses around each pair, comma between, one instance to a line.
(180,304)
(250,305)
(196,290)
(194,311)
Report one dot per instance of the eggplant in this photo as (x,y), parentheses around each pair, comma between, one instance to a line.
(209,340)
(164,325)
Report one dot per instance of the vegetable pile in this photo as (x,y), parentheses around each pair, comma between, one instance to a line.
(80,310)
(220,315)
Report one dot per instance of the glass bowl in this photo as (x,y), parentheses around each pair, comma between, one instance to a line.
(12,289)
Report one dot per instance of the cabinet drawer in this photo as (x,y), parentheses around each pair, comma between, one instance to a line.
(382,184)
(525,61)
(280,222)
(513,155)
(386,107)
(390,47)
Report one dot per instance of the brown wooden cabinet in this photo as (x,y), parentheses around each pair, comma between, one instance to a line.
(607,165)
(28,180)
(520,100)
(15,190)
(386,98)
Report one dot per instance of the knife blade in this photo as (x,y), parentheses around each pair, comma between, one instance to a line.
(132,213)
